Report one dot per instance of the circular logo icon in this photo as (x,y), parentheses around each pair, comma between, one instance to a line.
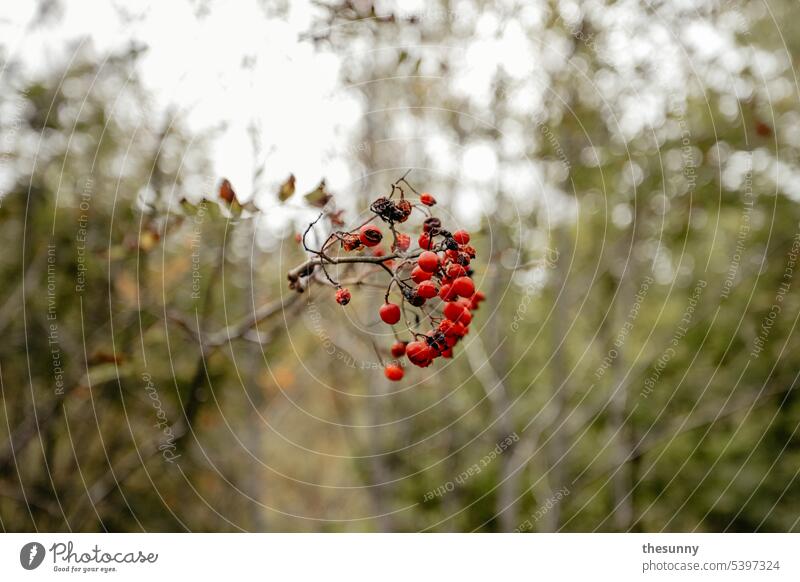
(31,555)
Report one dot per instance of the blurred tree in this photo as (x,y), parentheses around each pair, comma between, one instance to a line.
(628,170)
(629,190)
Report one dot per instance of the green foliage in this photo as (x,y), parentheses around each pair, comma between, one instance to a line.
(141,410)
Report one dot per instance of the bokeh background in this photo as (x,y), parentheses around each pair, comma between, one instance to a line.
(628,171)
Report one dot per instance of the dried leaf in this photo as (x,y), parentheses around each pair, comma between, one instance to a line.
(226,191)
(319,196)
(287,188)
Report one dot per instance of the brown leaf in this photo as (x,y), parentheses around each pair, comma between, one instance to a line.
(319,196)
(287,188)
(226,191)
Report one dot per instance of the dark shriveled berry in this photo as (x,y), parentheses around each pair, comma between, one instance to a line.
(350,242)
(413,297)
(370,235)
(391,211)
(403,208)
(432,225)
(437,341)
(381,206)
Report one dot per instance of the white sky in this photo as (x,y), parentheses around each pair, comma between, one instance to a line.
(308,120)
(291,91)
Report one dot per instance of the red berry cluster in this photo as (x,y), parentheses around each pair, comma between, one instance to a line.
(456,315)
(434,294)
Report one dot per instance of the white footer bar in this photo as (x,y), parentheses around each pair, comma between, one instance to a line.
(401,557)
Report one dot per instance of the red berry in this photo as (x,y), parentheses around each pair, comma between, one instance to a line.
(427,199)
(370,235)
(461,236)
(447,293)
(448,353)
(465,318)
(418,275)
(390,313)
(429,261)
(424,241)
(394,372)
(419,353)
(455,270)
(427,290)
(464,286)
(398,349)
(446,327)
(403,242)
(453,310)
(343,296)
(476,300)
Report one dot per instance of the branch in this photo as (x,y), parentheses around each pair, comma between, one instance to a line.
(307,268)
(244,325)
